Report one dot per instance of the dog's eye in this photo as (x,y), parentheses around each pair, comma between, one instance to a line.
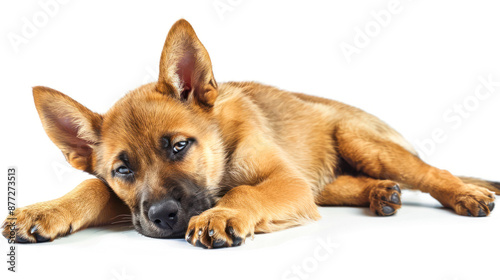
(123,170)
(179,146)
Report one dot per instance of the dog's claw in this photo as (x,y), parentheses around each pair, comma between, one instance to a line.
(491,206)
(397,188)
(218,228)
(189,235)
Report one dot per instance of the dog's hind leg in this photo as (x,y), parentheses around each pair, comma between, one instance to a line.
(380,157)
(90,203)
(382,196)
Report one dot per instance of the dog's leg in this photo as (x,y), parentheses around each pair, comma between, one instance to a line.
(90,203)
(382,196)
(280,201)
(383,159)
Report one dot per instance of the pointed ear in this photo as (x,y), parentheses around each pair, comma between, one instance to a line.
(70,125)
(185,67)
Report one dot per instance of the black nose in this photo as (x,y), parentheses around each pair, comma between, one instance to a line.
(164,214)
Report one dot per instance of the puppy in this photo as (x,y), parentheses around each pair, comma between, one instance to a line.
(186,156)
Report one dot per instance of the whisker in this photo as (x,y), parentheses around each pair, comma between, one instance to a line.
(122,215)
(121,222)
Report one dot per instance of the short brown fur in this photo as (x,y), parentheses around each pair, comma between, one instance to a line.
(266,156)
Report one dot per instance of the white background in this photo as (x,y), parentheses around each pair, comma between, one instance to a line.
(428,58)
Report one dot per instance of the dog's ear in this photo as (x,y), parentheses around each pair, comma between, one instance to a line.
(70,125)
(185,67)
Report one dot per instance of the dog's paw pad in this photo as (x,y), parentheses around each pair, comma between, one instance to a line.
(395,198)
(199,244)
(491,206)
(20,239)
(481,213)
(385,198)
(235,238)
(219,243)
(388,210)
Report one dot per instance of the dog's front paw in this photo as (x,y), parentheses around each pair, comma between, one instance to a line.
(473,201)
(39,222)
(217,228)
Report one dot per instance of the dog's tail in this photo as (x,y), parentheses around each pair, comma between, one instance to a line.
(490,185)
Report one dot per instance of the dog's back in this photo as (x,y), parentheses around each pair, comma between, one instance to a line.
(302,126)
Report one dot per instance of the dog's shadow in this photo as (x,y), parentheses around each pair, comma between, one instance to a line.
(368,212)
(91,234)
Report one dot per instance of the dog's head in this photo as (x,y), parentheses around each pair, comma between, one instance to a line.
(158,148)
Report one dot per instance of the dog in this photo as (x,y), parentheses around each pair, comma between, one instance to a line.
(216,163)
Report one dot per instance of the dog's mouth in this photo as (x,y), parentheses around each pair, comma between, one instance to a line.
(169,217)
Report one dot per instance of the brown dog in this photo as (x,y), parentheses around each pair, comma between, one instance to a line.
(263,158)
